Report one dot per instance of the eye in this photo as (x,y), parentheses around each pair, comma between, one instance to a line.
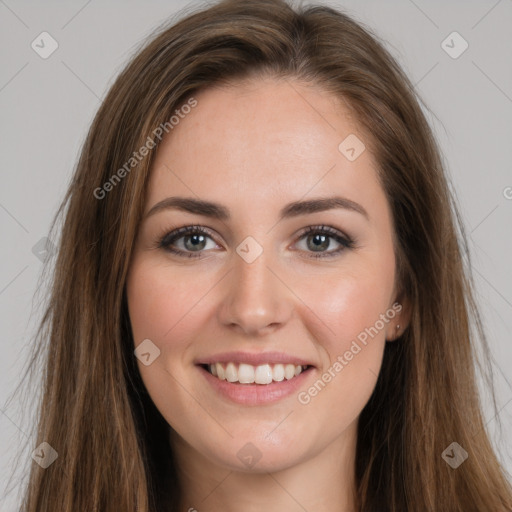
(191,241)
(318,238)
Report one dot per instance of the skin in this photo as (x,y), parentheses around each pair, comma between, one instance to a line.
(255,148)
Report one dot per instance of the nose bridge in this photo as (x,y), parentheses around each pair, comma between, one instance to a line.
(256,298)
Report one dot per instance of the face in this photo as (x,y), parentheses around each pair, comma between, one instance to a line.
(268,318)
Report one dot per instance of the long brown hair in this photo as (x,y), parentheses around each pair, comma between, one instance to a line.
(112,442)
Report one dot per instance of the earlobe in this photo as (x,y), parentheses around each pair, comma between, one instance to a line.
(400,321)
(394,331)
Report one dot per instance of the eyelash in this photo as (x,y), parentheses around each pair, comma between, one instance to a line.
(165,241)
(169,238)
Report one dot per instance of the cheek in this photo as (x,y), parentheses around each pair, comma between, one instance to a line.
(350,302)
(352,347)
(163,303)
(354,309)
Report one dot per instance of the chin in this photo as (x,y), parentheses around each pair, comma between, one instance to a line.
(260,454)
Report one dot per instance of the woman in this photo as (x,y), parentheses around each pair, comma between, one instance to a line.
(316,351)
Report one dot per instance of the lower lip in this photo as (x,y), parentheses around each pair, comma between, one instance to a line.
(256,394)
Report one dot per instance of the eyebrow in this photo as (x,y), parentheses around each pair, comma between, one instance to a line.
(220,212)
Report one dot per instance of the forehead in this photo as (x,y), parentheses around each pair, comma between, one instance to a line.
(265,140)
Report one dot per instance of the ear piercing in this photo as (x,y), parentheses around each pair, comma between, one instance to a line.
(397,327)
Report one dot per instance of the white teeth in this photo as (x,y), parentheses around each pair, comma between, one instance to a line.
(263,374)
(231,373)
(221,374)
(289,371)
(278,373)
(245,374)
(249,374)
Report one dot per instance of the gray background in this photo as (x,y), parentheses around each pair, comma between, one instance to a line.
(48,104)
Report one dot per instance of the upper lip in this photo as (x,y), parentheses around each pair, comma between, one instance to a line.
(254,359)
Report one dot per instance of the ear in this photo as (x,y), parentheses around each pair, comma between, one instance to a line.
(399,323)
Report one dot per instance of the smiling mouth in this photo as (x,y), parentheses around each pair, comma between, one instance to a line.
(249,374)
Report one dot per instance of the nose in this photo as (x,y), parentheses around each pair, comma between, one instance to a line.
(256,300)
